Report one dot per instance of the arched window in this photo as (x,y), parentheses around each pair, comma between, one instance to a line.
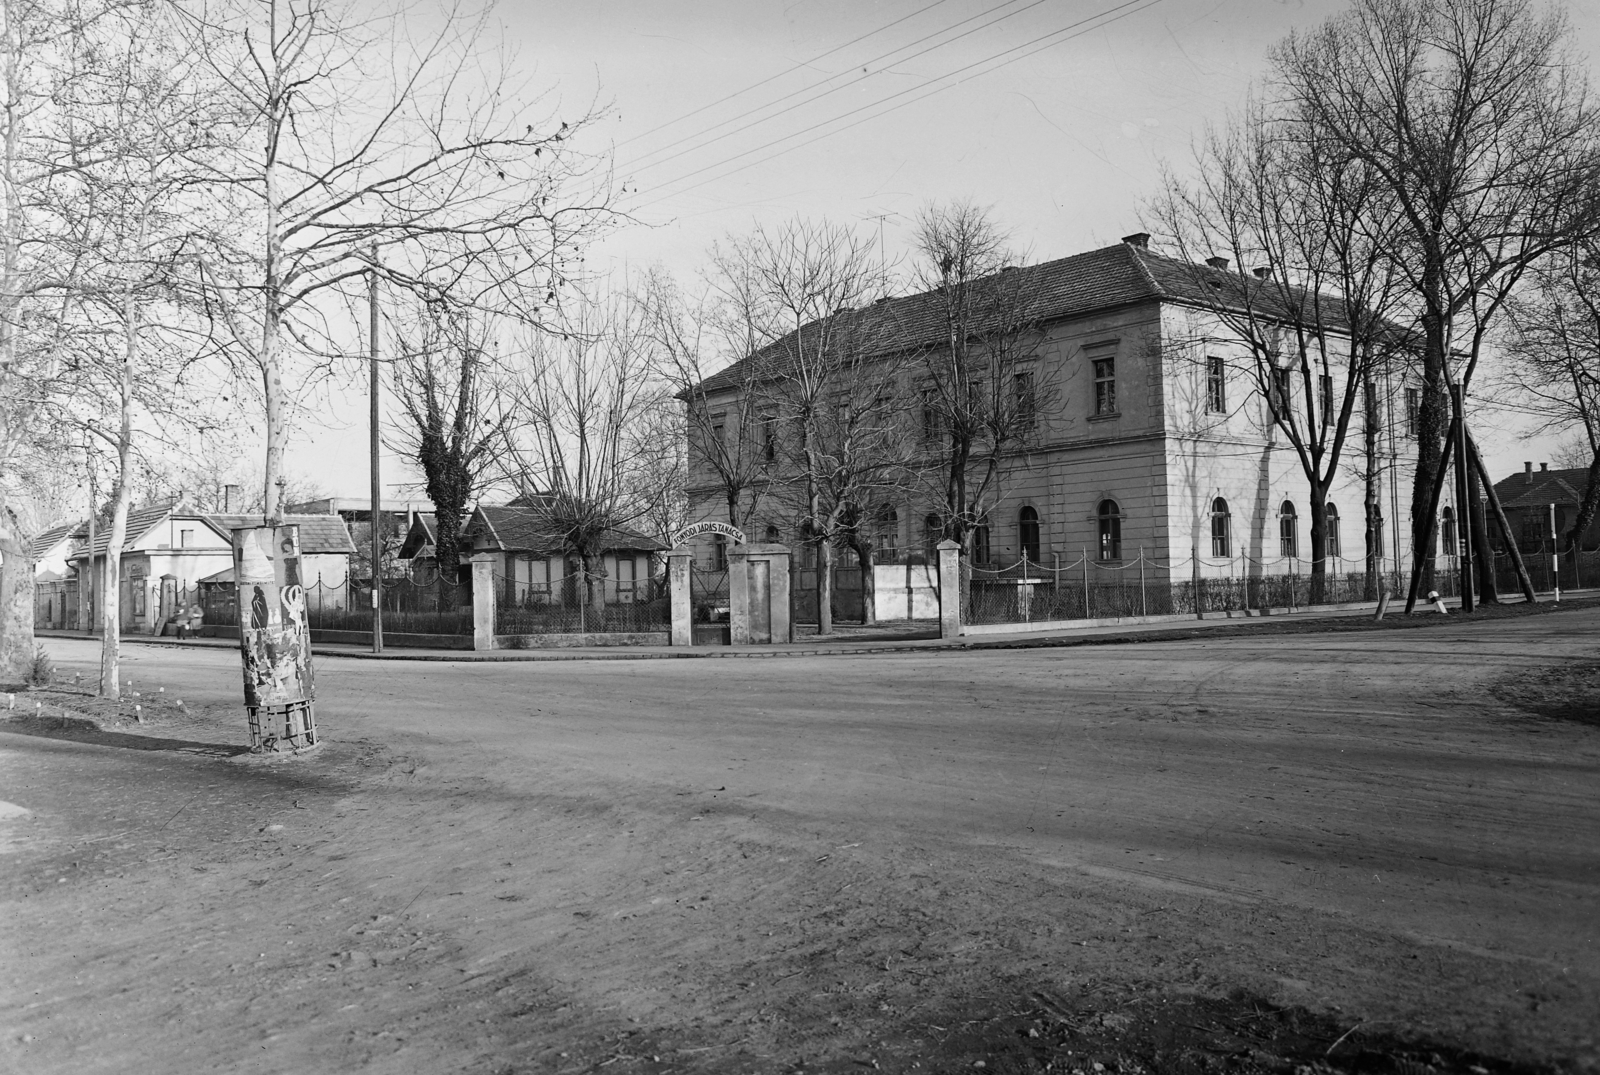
(886,544)
(774,535)
(1109,517)
(980,542)
(1447,532)
(1028,533)
(932,534)
(1288,530)
(1221,527)
(1331,540)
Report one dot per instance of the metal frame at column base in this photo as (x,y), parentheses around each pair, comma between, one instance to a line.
(297,719)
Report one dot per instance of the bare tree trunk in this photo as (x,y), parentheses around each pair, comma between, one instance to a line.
(16,600)
(110,591)
(1483,554)
(1319,548)
(1586,510)
(824,586)
(1373,502)
(869,584)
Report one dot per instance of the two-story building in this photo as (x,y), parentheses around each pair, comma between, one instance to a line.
(1151,442)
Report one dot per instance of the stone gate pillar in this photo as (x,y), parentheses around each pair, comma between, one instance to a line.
(949,589)
(679,562)
(758,594)
(483,599)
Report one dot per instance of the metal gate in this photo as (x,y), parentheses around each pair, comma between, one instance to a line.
(708,604)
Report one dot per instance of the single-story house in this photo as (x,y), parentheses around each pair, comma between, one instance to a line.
(325,546)
(1527,498)
(529,555)
(168,548)
(55,595)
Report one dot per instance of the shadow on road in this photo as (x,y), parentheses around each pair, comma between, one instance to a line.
(82,731)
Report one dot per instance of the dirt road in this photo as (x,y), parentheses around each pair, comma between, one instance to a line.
(904,862)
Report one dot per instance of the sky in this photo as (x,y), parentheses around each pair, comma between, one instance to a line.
(1058,115)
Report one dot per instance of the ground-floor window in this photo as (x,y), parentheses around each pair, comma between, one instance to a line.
(1221,528)
(1332,539)
(1288,530)
(1028,533)
(625,579)
(1109,518)
(980,543)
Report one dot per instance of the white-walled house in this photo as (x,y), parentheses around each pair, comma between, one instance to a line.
(1151,445)
(168,548)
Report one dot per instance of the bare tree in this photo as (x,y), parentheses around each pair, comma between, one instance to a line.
(135,133)
(821,392)
(31,362)
(1554,350)
(575,409)
(1475,117)
(1312,318)
(443,382)
(359,144)
(697,347)
(981,389)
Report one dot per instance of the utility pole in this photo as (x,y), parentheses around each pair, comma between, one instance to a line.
(1463,508)
(377,490)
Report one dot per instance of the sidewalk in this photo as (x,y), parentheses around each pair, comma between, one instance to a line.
(1097,633)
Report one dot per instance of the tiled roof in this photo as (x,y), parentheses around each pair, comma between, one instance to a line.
(140,522)
(522,529)
(1562,487)
(1112,276)
(420,535)
(52,537)
(318,533)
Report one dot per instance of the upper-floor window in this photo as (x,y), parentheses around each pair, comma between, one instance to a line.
(1327,400)
(1331,538)
(1216,386)
(1279,391)
(1028,533)
(1027,402)
(1288,530)
(1413,409)
(932,424)
(769,438)
(185,538)
(1221,528)
(1105,386)
(1108,518)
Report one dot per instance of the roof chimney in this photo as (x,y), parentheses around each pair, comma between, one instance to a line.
(1217,263)
(1543,467)
(1527,471)
(1262,272)
(1141,239)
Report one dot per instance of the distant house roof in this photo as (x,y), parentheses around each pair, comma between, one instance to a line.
(1121,275)
(523,529)
(49,539)
(358,506)
(140,522)
(1542,487)
(420,536)
(319,534)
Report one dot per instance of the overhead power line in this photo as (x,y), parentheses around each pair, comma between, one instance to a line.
(881,58)
(786,71)
(922,92)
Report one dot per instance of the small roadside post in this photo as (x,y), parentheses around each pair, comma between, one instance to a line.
(1555,556)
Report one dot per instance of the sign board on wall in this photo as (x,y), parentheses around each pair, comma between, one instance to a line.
(710,526)
(273,637)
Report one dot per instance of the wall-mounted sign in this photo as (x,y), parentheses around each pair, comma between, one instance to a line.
(710,526)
